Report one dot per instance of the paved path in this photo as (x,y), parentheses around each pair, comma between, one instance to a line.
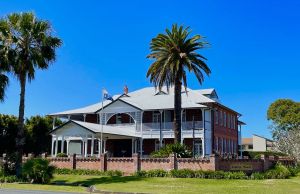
(15,191)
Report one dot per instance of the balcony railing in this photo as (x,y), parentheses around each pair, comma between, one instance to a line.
(168,126)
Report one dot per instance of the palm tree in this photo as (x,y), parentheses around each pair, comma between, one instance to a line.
(175,53)
(3,85)
(26,44)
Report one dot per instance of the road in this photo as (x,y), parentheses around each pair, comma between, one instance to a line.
(15,191)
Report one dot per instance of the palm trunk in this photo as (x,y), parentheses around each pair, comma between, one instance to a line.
(20,140)
(177,111)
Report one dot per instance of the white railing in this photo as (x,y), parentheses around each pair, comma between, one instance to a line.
(168,126)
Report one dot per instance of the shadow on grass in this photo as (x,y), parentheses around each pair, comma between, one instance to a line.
(101,180)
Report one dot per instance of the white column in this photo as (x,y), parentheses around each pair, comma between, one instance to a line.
(203,147)
(69,117)
(68,141)
(84,117)
(99,148)
(85,147)
(52,146)
(56,145)
(104,147)
(62,144)
(92,146)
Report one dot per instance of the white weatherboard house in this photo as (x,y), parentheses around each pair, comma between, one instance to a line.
(142,121)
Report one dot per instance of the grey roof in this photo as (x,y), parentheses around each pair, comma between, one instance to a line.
(96,128)
(150,99)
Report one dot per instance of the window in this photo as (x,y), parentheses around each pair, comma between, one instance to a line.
(216,117)
(224,119)
(234,123)
(198,148)
(250,146)
(216,144)
(221,118)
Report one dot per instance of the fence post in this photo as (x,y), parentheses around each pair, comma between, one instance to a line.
(136,161)
(173,161)
(214,160)
(103,162)
(73,161)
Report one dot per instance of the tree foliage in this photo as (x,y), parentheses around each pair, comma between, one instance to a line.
(175,54)
(37,130)
(285,113)
(285,117)
(26,45)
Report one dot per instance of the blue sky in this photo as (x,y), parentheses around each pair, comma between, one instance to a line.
(254,52)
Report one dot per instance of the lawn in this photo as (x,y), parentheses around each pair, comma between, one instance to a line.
(167,185)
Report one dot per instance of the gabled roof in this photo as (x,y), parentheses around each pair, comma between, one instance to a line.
(96,128)
(91,109)
(149,99)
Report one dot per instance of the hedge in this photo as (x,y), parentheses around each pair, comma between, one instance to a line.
(278,172)
(88,172)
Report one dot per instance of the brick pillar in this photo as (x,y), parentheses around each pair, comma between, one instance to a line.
(266,162)
(173,162)
(73,161)
(214,160)
(136,161)
(103,162)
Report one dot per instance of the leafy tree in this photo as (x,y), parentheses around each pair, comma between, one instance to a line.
(8,133)
(285,117)
(285,113)
(175,52)
(37,131)
(26,44)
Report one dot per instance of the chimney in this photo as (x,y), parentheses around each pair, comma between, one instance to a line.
(125,89)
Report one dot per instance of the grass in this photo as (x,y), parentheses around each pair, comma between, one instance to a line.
(167,185)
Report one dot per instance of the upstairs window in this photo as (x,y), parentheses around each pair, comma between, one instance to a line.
(216,117)
(225,120)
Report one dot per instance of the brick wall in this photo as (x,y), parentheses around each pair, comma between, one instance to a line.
(62,162)
(88,163)
(156,163)
(129,165)
(124,164)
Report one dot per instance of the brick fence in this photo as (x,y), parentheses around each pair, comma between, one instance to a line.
(129,165)
(132,164)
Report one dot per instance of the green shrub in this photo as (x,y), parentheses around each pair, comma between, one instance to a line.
(294,170)
(183,173)
(140,173)
(157,173)
(257,176)
(8,179)
(179,149)
(235,175)
(278,172)
(61,155)
(88,172)
(38,170)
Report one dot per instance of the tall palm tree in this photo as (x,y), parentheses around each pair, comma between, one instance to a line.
(26,44)
(3,85)
(175,53)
